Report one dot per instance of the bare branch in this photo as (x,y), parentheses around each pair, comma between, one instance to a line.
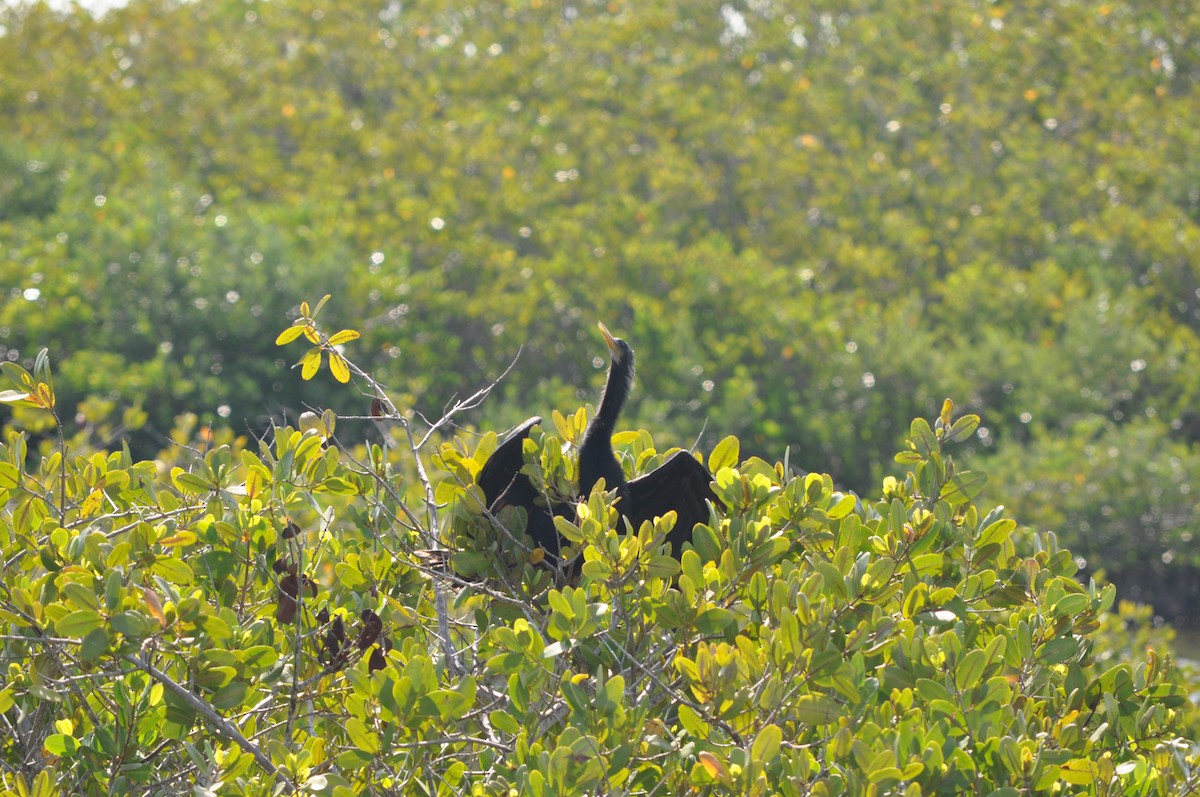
(471,402)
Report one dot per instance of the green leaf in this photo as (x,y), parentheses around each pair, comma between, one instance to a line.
(568,530)
(133,625)
(79,623)
(715,621)
(259,657)
(1170,695)
(692,723)
(997,532)
(923,438)
(1071,605)
(842,508)
(362,738)
(10,477)
(173,570)
(766,744)
(884,774)
(191,483)
(964,487)
(814,709)
(1056,651)
(963,428)
(17,375)
(61,744)
(80,596)
(504,722)
(931,690)
(231,695)
(915,599)
(969,672)
(337,486)
(95,642)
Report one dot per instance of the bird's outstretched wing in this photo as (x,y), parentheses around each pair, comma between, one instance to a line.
(503,485)
(505,462)
(681,484)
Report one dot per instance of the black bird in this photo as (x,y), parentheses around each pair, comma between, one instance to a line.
(681,484)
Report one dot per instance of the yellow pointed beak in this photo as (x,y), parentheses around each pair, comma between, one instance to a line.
(608,338)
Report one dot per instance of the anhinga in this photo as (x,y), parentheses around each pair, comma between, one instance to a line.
(682,484)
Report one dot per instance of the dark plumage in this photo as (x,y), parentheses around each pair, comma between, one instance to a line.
(596,458)
(503,485)
(682,484)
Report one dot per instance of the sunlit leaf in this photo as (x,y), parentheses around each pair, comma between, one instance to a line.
(345,336)
(339,368)
(310,363)
(288,335)
(724,454)
(714,766)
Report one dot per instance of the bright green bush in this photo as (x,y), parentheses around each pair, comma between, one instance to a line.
(166,626)
(1121,497)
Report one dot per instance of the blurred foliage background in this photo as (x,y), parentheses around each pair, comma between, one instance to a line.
(812,224)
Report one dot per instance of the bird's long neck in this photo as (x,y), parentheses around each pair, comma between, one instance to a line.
(596,458)
(612,400)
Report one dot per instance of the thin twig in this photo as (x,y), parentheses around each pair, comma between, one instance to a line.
(699,437)
(469,403)
(215,720)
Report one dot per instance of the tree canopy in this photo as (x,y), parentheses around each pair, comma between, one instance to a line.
(814,223)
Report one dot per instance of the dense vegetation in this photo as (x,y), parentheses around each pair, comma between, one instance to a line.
(813,224)
(809,642)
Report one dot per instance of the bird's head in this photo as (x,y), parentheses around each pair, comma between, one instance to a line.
(621,353)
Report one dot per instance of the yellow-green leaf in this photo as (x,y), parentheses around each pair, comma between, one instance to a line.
(43,395)
(173,570)
(91,504)
(10,477)
(766,744)
(345,336)
(816,709)
(254,480)
(62,745)
(361,737)
(178,539)
(310,363)
(289,334)
(724,455)
(337,366)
